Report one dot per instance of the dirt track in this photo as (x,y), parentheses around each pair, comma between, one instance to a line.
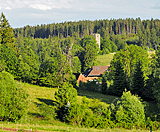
(15,130)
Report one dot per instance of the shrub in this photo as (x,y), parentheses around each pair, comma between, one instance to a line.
(13,99)
(75,114)
(91,86)
(129,109)
(94,114)
(47,112)
(65,95)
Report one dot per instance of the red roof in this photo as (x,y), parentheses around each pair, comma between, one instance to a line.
(98,70)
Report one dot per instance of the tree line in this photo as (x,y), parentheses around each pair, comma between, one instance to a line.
(133,31)
(49,61)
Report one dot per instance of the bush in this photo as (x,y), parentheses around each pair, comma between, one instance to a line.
(91,86)
(65,96)
(94,114)
(75,114)
(129,109)
(47,112)
(13,99)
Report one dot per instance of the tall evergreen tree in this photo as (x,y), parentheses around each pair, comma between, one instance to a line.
(138,80)
(8,54)
(123,66)
(6,32)
(119,80)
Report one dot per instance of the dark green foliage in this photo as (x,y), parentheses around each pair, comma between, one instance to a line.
(119,81)
(75,114)
(129,109)
(8,55)
(28,66)
(153,83)
(76,65)
(147,94)
(90,86)
(6,32)
(13,99)
(49,75)
(2,65)
(133,31)
(138,80)
(47,112)
(9,58)
(104,84)
(55,70)
(64,96)
(89,52)
(95,115)
(107,46)
(123,67)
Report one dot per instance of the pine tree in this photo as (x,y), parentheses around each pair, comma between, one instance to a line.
(138,80)
(119,81)
(8,54)
(6,32)
(65,95)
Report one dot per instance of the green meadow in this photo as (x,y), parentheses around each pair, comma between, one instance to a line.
(104,60)
(32,121)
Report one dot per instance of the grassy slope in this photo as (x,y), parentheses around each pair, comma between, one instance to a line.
(38,95)
(104,60)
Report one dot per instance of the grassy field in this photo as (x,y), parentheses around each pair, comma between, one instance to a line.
(94,95)
(104,60)
(37,95)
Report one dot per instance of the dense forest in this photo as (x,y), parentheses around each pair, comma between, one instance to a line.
(76,46)
(132,31)
(48,55)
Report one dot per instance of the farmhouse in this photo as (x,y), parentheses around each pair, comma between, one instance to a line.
(92,73)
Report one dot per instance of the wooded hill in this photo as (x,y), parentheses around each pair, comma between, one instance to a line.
(143,32)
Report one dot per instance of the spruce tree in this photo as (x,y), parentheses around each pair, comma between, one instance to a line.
(138,80)
(8,54)
(119,81)
(65,96)
(6,32)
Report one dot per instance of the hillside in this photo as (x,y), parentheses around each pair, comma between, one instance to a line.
(104,60)
(39,95)
(32,121)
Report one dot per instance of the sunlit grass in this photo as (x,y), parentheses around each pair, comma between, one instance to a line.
(104,60)
(95,95)
(38,95)
(55,128)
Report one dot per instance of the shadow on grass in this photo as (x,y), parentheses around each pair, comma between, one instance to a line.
(37,115)
(96,95)
(46,101)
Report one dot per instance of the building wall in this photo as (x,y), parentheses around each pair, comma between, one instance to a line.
(85,79)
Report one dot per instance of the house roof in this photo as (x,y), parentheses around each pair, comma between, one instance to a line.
(95,71)
(98,70)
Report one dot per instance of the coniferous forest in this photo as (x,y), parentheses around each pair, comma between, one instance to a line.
(49,55)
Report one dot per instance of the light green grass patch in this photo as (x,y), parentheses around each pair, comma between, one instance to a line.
(104,60)
(95,95)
